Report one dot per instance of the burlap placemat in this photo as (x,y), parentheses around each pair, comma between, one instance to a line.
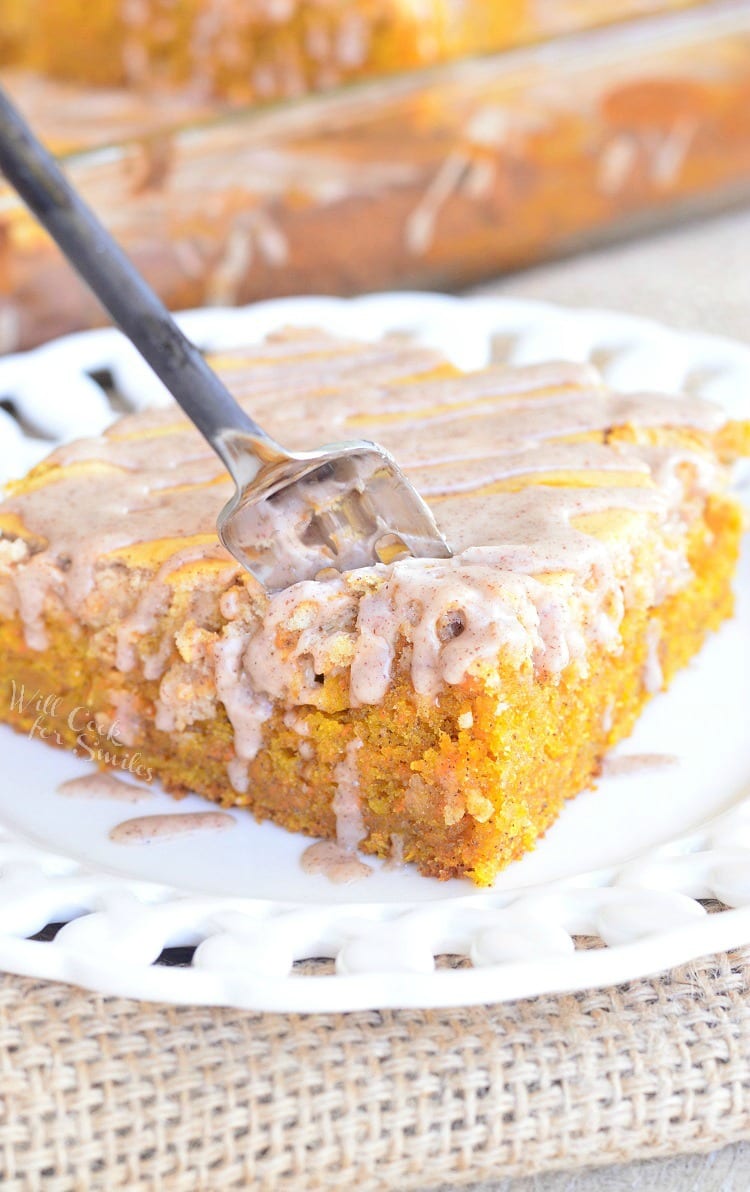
(101,1093)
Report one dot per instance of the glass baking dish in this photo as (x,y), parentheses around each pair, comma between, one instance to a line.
(436,178)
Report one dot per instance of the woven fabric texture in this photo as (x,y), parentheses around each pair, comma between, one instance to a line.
(101,1093)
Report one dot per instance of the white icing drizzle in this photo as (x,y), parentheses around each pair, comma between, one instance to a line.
(296,723)
(101,785)
(153,604)
(516,462)
(337,859)
(246,709)
(396,859)
(347,802)
(237,773)
(334,862)
(653,676)
(127,720)
(635,763)
(145,829)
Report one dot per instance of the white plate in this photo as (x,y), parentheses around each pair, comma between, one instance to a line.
(626,862)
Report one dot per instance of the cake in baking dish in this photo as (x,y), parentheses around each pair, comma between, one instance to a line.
(443,181)
(241,50)
(439,711)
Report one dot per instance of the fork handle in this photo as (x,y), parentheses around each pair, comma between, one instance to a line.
(118,285)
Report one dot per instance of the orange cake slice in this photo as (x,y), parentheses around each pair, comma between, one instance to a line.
(437,710)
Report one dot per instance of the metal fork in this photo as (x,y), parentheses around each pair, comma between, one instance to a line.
(293,514)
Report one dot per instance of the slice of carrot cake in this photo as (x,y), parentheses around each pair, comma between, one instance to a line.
(442,710)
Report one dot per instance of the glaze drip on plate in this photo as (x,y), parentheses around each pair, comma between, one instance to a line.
(148,829)
(104,786)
